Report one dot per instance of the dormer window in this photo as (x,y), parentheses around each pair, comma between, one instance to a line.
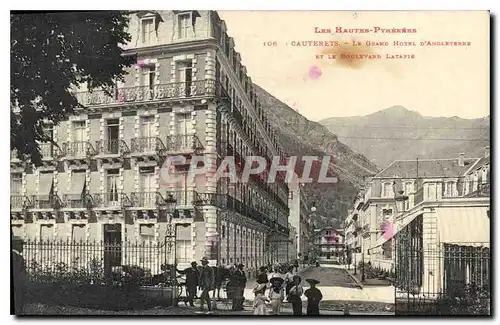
(387,189)
(147,29)
(184,21)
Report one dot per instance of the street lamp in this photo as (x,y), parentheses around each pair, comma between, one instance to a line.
(171,237)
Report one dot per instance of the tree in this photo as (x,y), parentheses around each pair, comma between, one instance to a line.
(50,53)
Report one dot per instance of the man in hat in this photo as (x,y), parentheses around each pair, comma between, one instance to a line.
(19,274)
(276,295)
(192,277)
(240,280)
(206,283)
(314,297)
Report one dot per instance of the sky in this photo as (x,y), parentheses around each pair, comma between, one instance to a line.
(439,81)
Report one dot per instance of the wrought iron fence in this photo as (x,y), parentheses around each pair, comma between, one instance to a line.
(100,274)
(440,279)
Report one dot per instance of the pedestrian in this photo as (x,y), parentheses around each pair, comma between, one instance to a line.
(192,278)
(19,275)
(314,297)
(296,265)
(288,281)
(295,295)
(262,276)
(219,272)
(276,295)
(207,283)
(240,280)
(260,300)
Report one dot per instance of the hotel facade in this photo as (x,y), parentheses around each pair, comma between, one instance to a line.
(188,95)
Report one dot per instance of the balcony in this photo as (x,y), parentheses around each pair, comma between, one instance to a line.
(183,197)
(113,147)
(218,200)
(77,202)
(183,144)
(78,149)
(146,145)
(147,199)
(237,116)
(49,151)
(46,202)
(141,94)
(19,202)
(482,190)
(111,200)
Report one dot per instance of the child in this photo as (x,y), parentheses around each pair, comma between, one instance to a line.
(314,297)
(260,301)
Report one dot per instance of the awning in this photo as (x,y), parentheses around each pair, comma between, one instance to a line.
(398,226)
(467,226)
(77,186)
(45,185)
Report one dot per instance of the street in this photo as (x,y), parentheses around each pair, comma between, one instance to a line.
(339,290)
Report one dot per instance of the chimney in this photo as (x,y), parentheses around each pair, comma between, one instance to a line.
(461,161)
(486,151)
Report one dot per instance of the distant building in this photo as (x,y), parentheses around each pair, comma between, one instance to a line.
(329,244)
(428,221)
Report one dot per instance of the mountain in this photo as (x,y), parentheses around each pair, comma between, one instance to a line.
(301,137)
(399,133)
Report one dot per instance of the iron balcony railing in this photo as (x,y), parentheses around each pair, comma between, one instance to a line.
(183,197)
(78,149)
(19,202)
(111,200)
(147,199)
(77,202)
(237,116)
(51,201)
(146,145)
(214,199)
(160,92)
(177,143)
(112,147)
(49,150)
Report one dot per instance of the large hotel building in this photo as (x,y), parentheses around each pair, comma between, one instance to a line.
(187,95)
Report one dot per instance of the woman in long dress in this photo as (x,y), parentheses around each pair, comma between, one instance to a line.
(260,300)
(276,294)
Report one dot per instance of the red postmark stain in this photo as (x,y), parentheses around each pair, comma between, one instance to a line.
(315,72)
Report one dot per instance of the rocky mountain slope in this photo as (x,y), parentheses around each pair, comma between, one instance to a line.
(301,137)
(399,133)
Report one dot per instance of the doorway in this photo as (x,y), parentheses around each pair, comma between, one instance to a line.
(112,247)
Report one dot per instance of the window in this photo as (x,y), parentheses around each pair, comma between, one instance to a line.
(185,76)
(78,188)
(386,189)
(184,22)
(147,186)
(448,189)
(112,132)
(386,212)
(147,28)
(112,186)
(223,231)
(78,233)
(78,148)
(147,81)
(16,183)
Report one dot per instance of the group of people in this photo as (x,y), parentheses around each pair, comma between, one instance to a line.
(207,278)
(284,287)
(274,288)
